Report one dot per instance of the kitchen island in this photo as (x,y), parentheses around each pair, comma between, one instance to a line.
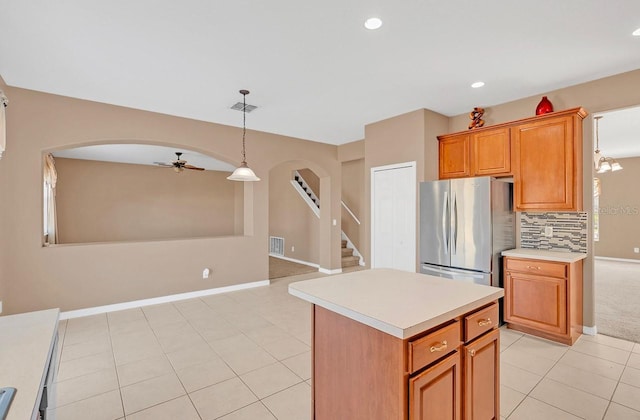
(27,348)
(390,344)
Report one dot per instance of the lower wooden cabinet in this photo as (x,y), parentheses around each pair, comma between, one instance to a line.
(544,298)
(481,369)
(435,394)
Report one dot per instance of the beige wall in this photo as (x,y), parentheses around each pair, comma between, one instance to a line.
(605,94)
(405,138)
(291,218)
(80,276)
(351,151)
(107,202)
(353,197)
(620,212)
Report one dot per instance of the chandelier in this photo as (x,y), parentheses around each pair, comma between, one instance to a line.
(601,163)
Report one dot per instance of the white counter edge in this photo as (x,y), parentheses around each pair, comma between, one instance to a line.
(392,329)
(539,254)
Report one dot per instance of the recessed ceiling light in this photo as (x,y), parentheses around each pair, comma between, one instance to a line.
(636,32)
(477,84)
(373,23)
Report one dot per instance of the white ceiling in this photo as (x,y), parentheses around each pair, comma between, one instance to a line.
(142,154)
(313,70)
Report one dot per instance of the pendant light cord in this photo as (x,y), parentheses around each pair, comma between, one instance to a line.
(597,134)
(244,126)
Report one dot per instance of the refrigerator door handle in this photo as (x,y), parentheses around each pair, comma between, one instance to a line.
(445,211)
(454,234)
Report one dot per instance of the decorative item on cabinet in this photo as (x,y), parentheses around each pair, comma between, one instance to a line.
(544,107)
(476,118)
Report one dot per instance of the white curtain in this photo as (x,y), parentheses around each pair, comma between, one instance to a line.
(50,180)
(3,123)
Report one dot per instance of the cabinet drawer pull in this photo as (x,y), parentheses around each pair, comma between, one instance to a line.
(484,322)
(534,267)
(472,352)
(439,347)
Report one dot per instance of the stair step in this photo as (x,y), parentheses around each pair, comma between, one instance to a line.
(344,243)
(350,261)
(347,252)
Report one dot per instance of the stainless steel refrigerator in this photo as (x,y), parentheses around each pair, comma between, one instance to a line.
(465,224)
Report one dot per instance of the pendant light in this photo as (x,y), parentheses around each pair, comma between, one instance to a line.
(243,172)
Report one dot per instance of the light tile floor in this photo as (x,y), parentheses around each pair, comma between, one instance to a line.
(246,356)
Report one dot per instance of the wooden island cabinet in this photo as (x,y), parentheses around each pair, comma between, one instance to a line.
(393,345)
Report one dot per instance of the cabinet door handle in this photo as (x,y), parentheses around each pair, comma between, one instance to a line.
(440,347)
(472,352)
(484,322)
(534,267)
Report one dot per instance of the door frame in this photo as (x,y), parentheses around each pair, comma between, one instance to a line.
(413,166)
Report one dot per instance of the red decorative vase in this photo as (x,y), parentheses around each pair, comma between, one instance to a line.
(544,106)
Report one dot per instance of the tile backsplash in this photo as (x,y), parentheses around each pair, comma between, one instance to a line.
(569,231)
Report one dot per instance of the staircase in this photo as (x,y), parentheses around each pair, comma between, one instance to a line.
(348,259)
(307,190)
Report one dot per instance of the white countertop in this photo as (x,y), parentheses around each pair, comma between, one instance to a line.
(396,302)
(540,254)
(26,341)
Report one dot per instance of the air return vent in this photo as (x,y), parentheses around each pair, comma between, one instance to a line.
(239,106)
(276,246)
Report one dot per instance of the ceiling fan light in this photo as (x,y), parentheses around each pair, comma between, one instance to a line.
(243,173)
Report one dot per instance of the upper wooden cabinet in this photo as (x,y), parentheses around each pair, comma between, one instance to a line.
(491,151)
(548,163)
(455,154)
(486,152)
(543,153)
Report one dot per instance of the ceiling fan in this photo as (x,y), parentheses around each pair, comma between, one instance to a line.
(179,165)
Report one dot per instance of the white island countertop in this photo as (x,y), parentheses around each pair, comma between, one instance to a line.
(26,342)
(398,303)
(541,254)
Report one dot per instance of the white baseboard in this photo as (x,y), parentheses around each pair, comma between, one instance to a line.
(282,257)
(589,330)
(162,299)
(617,259)
(329,271)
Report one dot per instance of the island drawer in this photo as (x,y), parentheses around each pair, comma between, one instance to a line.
(542,268)
(479,322)
(431,347)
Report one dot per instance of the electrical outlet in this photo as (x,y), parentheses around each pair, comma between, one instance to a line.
(548,231)
(205,273)
(293,248)
(636,250)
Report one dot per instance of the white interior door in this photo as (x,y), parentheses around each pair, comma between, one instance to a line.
(393,216)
